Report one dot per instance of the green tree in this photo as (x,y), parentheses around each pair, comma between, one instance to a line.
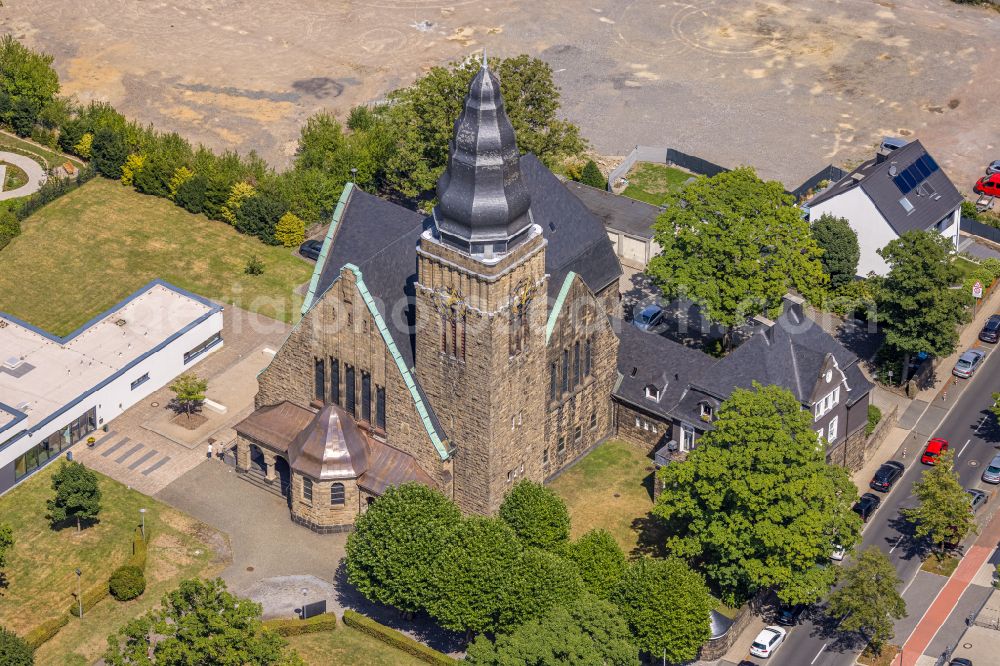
(27,84)
(735,244)
(391,552)
(189,392)
(168,153)
(14,650)
(78,495)
(588,632)
(200,622)
(600,561)
(544,580)
(321,139)
(536,514)
(868,602)
(258,216)
(423,117)
(756,505)
(841,251)
(109,152)
(591,175)
(943,515)
(6,545)
(10,228)
(290,230)
(667,607)
(191,193)
(918,309)
(472,581)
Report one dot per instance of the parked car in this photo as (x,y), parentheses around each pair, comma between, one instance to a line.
(649,318)
(838,553)
(977,499)
(988,185)
(992,472)
(310,249)
(789,614)
(994,167)
(934,449)
(886,475)
(867,505)
(960,661)
(968,363)
(768,640)
(991,330)
(747,662)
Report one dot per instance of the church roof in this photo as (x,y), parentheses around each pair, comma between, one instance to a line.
(330,447)
(276,425)
(391,467)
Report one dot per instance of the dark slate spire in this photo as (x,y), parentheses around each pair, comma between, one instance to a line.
(483,199)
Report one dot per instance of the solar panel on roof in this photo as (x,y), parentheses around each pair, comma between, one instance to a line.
(931,164)
(901,184)
(911,182)
(922,168)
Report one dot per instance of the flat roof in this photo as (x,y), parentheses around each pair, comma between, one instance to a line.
(41,373)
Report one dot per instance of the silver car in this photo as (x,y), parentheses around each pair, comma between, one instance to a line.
(968,363)
(993,168)
(992,472)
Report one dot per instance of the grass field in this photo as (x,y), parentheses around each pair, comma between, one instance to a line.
(652,182)
(40,571)
(941,566)
(84,252)
(609,489)
(16,177)
(965,267)
(50,158)
(345,645)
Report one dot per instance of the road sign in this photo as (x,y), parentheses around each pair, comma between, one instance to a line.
(977,289)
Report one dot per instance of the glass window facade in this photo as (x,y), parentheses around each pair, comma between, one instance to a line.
(202,348)
(379,407)
(366,397)
(337,493)
(54,444)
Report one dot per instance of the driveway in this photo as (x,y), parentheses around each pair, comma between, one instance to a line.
(36,175)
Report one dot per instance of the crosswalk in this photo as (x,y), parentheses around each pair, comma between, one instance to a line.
(128,453)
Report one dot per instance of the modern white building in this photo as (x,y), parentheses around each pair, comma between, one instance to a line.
(901,189)
(55,391)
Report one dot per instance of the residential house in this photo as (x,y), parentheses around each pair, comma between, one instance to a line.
(629,223)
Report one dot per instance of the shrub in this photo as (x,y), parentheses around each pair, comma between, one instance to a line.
(14,650)
(259,215)
(969,210)
(874,416)
(91,596)
(84,145)
(254,266)
(127,583)
(181,175)
(50,191)
(109,152)
(45,137)
(132,168)
(396,639)
(295,627)
(239,193)
(290,230)
(45,631)
(10,228)
(139,548)
(591,175)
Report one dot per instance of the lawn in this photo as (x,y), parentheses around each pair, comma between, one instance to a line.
(609,489)
(884,658)
(50,158)
(651,182)
(345,645)
(965,267)
(40,571)
(16,177)
(84,252)
(941,566)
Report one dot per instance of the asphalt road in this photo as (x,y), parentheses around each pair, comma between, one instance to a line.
(974,436)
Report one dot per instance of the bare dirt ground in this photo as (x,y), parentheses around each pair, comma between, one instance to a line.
(784,86)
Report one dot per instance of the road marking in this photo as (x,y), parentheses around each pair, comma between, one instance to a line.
(896,544)
(963,448)
(818,654)
(909,584)
(981,422)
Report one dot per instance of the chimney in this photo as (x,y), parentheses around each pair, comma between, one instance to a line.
(793,307)
(765,327)
(889,144)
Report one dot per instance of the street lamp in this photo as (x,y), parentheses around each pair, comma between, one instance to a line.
(142,515)
(79,592)
(305,591)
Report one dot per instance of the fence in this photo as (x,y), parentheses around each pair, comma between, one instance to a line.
(703,167)
(975,228)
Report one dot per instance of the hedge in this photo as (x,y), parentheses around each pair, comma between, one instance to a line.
(127,582)
(396,639)
(91,596)
(139,549)
(295,627)
(46,630)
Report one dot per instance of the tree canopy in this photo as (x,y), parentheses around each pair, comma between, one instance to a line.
(391,552)
(587,632)
(917,308)
(536,514)
(943,515)
(734,245)
(841,251)
(14,650)
(600,561)
(868,602)
(28,83)
(667,606)
(189,392)
(77,494)
(200,622)
(591,175)
(755,505)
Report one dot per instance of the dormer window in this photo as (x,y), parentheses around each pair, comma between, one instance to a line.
(706,411)
(652,393)
(828,377)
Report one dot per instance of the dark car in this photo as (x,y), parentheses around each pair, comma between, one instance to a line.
(867,505)
(991,331)
(961,661)
(788,615)
(649,318)
(886,475)
(310,249)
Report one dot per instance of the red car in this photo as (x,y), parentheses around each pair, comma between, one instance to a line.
(989,185)
(935,448)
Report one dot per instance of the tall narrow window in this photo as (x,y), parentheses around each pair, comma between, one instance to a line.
(337,494)
(334,381)
(454,334)
(320,389)
(307,489)
(444,335)
(587,359)
(349,390)
(366,397)
(517,330)
(462,344)
(379,407)
(553,381)
(576,364)
(565,371)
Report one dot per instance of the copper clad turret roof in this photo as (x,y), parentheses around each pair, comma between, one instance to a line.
(331,447)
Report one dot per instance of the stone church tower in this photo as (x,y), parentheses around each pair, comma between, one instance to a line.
(481,307)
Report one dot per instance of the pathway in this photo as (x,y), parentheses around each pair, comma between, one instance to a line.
(36,175)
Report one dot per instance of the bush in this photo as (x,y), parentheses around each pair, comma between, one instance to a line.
(969,210)
(258,216)
(138,558)
(14,650)
(91,596)
(45,631)
(254,266)
(874,416)
(127,583)
(396,639)
(10,228)
(591,175)
(295,627)
(290,230)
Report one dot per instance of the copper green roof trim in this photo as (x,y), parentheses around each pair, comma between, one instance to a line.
(338,212)
(557,306)
(400,363)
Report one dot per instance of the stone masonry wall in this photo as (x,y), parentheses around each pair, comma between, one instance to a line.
(319,514)
(651,433)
